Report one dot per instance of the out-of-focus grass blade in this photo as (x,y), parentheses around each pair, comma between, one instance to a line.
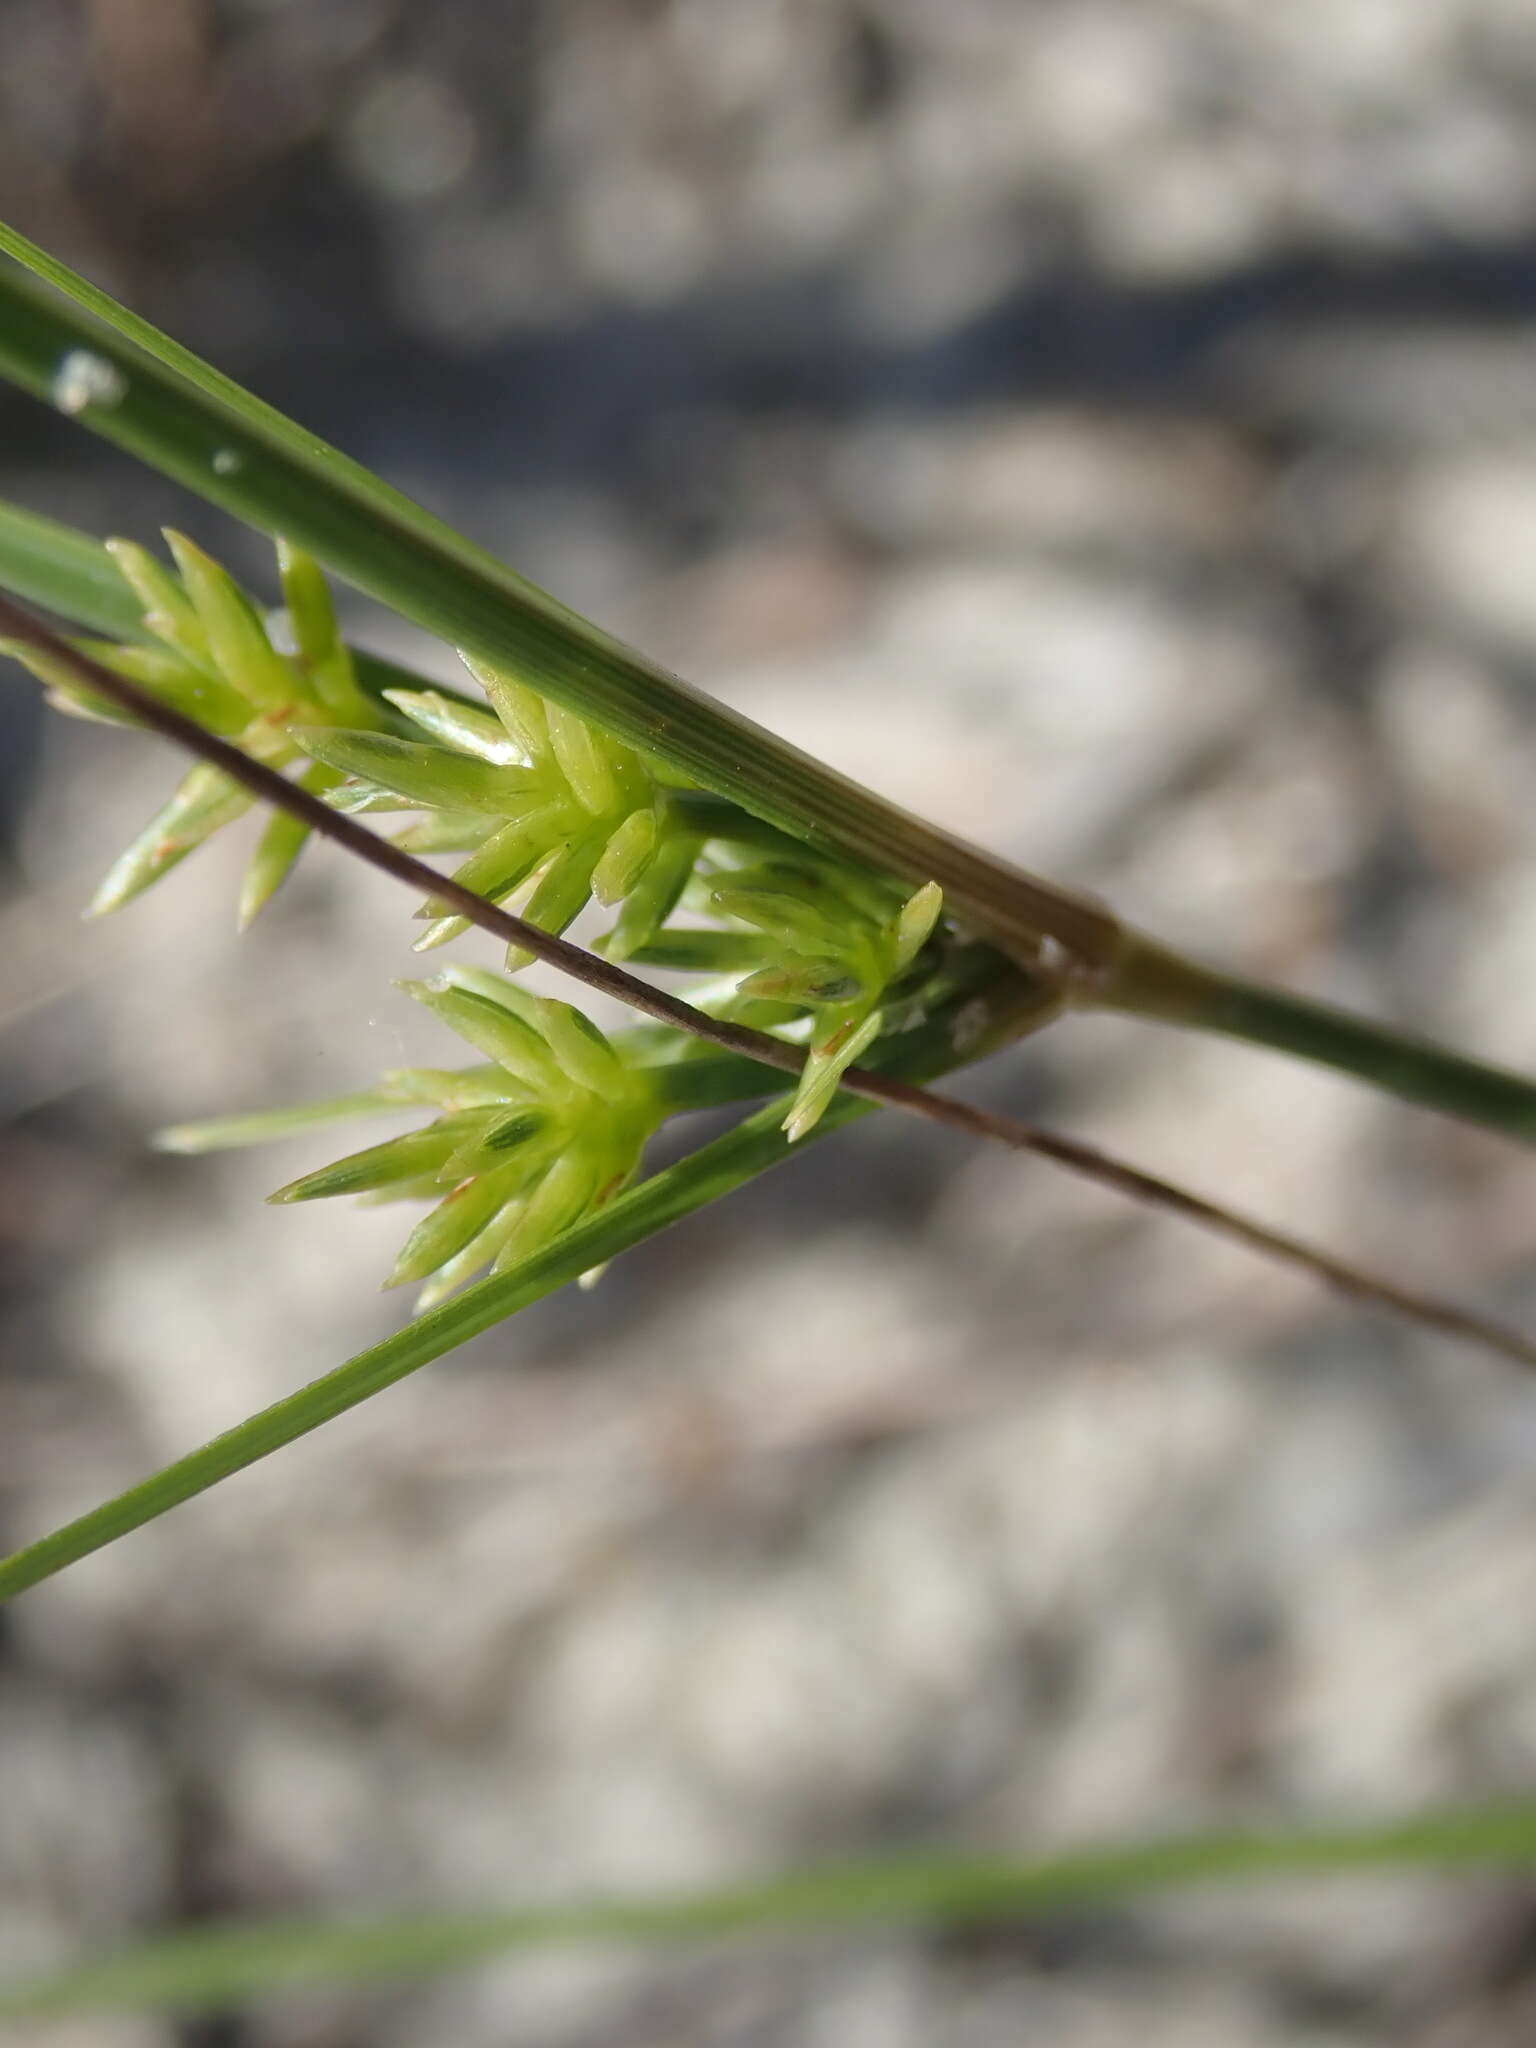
(53,565)
(222,1963)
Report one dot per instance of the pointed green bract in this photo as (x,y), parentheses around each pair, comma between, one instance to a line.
(207,699)
(583,1052)
(324,658)
(447,1087)
(458,724)
(654,896)
(425,774)
(446,832)
(802,981)
(164,674)
(495,870)
(397,1159)
(520,709)
(521,1142)
(482,1249)
(495,988)
(457,1220)
(358,799)
(282,840)
(563,891)
(915,925)
(169,612)
(307,599)
(204,801)
(220,1134)
(588,765)
(237,642)
(523,1147)
(559,1199)
(699,952)
(826,1064)
(209,656)
(625,858)
(491,1029)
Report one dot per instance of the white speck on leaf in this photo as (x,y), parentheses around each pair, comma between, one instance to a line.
(84,378)
(280,632)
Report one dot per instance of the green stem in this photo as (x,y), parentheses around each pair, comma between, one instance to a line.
(71,573)
(752,1148)
(184,418)
(1153,982)
(63,569)
(222,1962)
(187,420)
(711,1083)
(644,1211)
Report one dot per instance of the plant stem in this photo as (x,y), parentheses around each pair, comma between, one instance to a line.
(1151,981)
(55,565)
(196,426)
(653,1206)
(69,572)
(1006,998)
(221,1962)
(640,1213)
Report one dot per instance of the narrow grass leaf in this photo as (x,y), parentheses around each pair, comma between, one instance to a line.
(653,1206)
(68,572)
(223,1963)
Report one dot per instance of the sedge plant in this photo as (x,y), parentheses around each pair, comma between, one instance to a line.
(823,937)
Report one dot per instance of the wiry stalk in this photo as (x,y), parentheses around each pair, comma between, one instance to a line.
(1033,1003)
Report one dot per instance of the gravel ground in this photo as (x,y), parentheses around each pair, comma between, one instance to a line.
(1109,429)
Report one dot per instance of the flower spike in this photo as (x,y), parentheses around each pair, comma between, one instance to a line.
(520,1149)
(215,659)
(543,807)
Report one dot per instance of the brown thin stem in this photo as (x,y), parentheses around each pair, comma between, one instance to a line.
(1084,1160)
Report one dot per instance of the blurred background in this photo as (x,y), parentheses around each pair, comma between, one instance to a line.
(1109,427)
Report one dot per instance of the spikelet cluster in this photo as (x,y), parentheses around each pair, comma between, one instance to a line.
(557,814)
(545,806)
(547,1130)
(550,815)
(208,653)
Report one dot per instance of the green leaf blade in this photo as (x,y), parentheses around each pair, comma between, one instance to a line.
(185,418)
(222,1963)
